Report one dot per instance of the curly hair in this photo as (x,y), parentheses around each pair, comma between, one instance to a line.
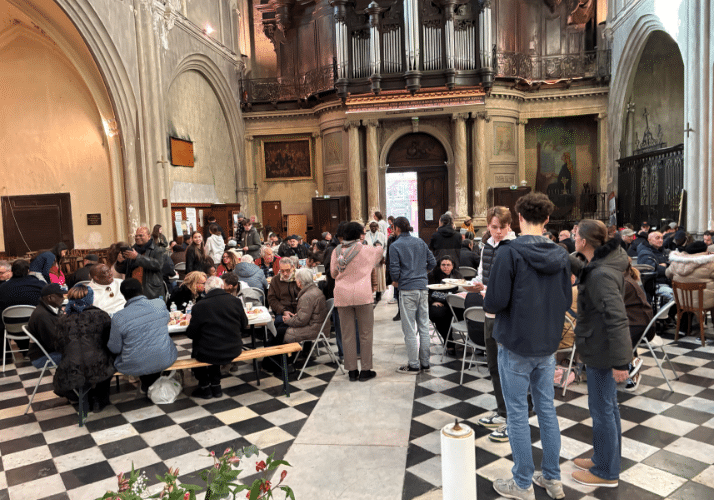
(535,208)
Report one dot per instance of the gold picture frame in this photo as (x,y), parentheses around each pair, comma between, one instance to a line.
(287,158)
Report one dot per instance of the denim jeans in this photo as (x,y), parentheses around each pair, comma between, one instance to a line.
(414,309)
(40,362)
(607,432)
(517,374)
(665,291)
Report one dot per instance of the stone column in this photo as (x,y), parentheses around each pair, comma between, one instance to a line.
(460,160)
(250,178)
(319,167)
(480,165)
(372,167)
(353,168)
(605,171)
(521,145)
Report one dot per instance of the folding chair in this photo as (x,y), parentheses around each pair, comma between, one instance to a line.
(321,337)
(453,300)
(657,343)
(49,363)
(472,314)
(571,350)
(14,318)
(467,272)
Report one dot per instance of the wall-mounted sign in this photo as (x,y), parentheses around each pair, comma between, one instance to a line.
(429,214)
(94,219)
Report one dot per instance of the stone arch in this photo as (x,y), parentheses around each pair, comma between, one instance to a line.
(626,68)
(406,130)
(211,72)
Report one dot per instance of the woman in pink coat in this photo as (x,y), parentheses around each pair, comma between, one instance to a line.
(351,266)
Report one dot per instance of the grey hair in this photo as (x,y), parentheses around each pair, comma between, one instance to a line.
(264,250)
(304,276)
(214,282)
(294,260)
(247,259)
(5,264)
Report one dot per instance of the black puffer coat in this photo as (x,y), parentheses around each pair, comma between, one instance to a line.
(216,323)
(82,340)
(446,241)
(602,333)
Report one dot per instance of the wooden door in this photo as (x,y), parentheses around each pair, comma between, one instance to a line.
(273,216)
(507,197)
(433,200)
(327,213)
(36,222)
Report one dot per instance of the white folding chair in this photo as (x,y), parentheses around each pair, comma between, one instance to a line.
(657,343)
(467,272)
(455,301)
(472,314)
(570,350)
(49,363)
(181,266)
(321,337)
(14,318)
(320,268)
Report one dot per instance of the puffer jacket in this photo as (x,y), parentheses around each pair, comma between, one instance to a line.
(694,268)
(602,333)
(140,337)
(82,341)
(251,274)
(311,312)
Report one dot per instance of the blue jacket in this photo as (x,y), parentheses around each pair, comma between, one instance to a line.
(140,337)
(251,274)
(529,291)
(651,256)
(409,262)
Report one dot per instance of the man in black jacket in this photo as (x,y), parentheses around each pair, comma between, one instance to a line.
(651,253)
(446,241)
(216,322)
(467,256)
(146,262)
(529,291)
(43,325)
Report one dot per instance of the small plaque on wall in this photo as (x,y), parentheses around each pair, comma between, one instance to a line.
(94,219)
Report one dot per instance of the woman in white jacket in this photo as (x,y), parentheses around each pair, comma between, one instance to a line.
(215,244)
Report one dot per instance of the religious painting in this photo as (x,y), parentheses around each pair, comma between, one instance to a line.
(287,159)
(504,141)
(556,174)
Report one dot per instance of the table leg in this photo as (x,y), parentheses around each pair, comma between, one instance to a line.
(255,361)
(286,385)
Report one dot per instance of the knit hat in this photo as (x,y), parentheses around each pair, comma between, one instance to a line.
(79,305)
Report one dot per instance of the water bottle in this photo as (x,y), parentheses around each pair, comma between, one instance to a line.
(173,307)
(188,310)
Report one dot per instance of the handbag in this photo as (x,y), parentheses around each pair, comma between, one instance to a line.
(165,390)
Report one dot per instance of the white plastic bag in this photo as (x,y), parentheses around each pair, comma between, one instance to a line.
(165,390)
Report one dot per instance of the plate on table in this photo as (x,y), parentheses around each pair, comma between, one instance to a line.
(440,286)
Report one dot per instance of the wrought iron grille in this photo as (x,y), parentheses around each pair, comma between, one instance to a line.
(591,64)
(650,186)
(288,89)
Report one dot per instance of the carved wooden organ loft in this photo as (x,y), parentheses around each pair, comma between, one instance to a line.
(410,43)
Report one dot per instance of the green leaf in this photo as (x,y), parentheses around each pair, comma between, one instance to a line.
(277,463)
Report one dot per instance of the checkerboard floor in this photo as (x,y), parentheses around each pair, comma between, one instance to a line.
(668,438)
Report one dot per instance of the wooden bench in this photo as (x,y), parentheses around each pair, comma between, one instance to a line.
(247,355)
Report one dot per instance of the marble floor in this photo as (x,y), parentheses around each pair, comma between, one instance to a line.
(349,441)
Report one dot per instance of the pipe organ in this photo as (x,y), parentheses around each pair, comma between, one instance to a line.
(412,43)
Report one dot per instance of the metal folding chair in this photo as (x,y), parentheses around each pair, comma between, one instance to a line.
(657,343)
(14,318)
(455,301)
(570,350)
(321,337)
(472,314)
(49,363)
(467,272)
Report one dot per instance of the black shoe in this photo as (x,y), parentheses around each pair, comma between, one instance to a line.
(398,317)
(216,391)
(377,297)
(202,392)
(365,375)
(354,375)
(99,405)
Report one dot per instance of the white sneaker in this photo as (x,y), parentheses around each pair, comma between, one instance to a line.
(493,421)
(553,487)
(509,489)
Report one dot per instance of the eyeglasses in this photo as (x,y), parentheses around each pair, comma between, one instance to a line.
(111,293)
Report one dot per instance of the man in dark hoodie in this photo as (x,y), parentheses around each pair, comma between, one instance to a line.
(446,241)
(641,238)
(529,292)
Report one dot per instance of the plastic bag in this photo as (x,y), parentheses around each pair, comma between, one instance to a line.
(165,390)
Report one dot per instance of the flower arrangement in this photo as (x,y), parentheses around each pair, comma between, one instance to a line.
(220,480)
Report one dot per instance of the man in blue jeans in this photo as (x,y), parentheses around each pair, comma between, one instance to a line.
(529,291)
(409,262)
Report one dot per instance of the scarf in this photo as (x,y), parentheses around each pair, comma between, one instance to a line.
(346,251)
(79,305)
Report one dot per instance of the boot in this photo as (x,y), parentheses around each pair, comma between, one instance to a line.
(398,317)
(216,390)
(203,392)
(377,297)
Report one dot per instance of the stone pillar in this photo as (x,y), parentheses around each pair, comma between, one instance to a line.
(372,167)
(460,163)
(604,170)
(480,165)
(630,134)
(353,168)
(521,145)
(319,166)
(250,178)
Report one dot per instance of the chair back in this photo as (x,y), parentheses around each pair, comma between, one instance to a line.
(662,313)
(15,317)
(320,268)
(42,348)
(253,292)
(467,272)
(643,267)
(475,314)
(455,302)
(689,297)
(181,266)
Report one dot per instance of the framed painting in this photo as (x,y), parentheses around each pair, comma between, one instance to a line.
(287,159)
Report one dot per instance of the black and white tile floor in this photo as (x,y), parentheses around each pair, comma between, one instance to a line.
(668,443)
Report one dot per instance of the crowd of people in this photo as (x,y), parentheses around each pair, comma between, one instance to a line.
(113,316)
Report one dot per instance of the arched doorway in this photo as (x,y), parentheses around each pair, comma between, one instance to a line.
(417,181)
